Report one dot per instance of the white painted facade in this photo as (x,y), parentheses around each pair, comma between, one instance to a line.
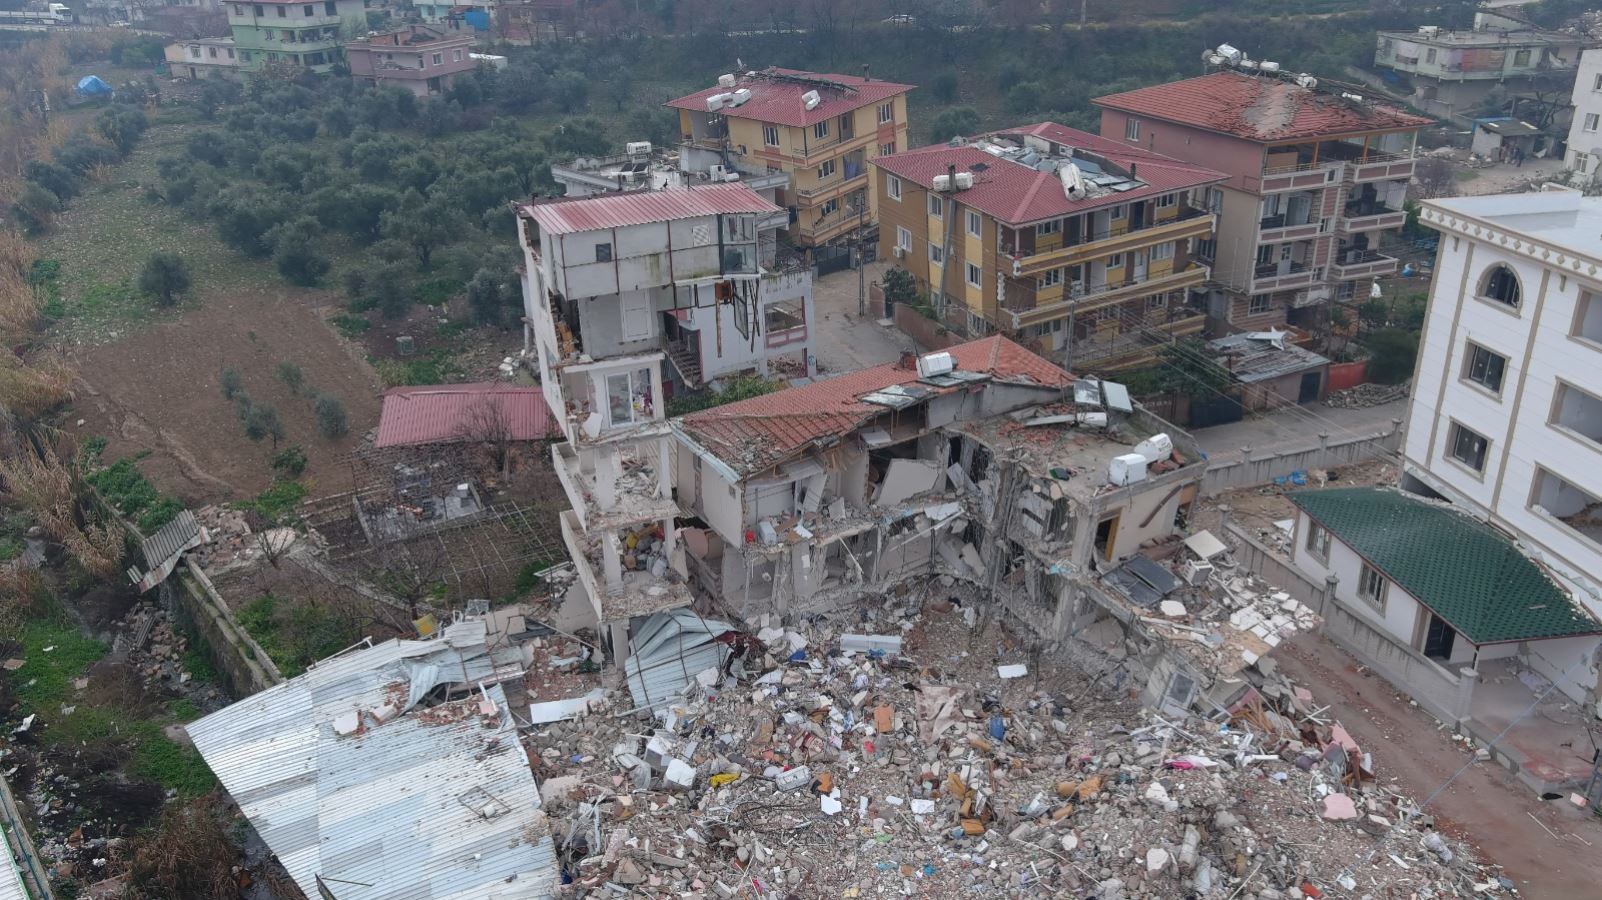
(1584,153)
(1525,378)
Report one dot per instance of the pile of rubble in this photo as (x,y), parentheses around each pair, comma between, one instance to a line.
(919,750)
(1364,396)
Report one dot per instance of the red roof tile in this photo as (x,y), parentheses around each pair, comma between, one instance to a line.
(779,102)
(1258,108)
(1018,194)
(756,434)
(448,413)
(570,215)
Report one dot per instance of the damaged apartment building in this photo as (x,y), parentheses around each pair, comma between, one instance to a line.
(985,464)
(627,297)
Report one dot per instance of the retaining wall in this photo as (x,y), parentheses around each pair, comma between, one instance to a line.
(243,665)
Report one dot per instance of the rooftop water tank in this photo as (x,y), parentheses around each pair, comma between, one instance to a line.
(1157,447)
(726,81)
(933,364)
(1127,469)
(811,100)
(740,97)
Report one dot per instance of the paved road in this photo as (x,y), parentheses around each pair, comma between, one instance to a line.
(845,341)
(1296,428)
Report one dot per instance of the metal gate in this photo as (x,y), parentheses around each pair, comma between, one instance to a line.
(1215,411)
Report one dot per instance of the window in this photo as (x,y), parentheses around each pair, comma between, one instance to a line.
(1582,163)
(1156,302)
(1048,278)
(603,252)
(1259,304)
(1167,200)
(1568,504)
(194,52)
(244,56)
(1207,249)
(1577,411)
(308,10)
(830,206)
(211,52)
(826,170)
(628,396)
(330,8)
(456,56)
(1119,212)
(1597,84)
(1045,228)
(821,130)
(903,238)
(887,111)
(974,275)
(976,224)
(770,135)
(1501,285)
(1131,129)
(887,149)
(1318,540)
(1371,587)
(977,324)
(239,9)
(1467,447)
(283,12)
(1521,57)
(230,52)
(259,11)
(1429,55)
(937,254)
(1115,261)
(439,59)
(1591,121)
(1484,368)
(892,187)
(1164,250)
(937,206)
(1588,317)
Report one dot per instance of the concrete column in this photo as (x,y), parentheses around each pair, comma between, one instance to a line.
(673,547)
(664,468)
(1463,701)
(619,632)
(1331,582)
(611,564)
(607,470)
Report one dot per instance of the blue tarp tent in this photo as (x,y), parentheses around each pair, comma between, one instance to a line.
(92,86)
(478,18)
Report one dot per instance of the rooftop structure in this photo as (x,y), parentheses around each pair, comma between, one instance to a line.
(802,138)
(1315,174)
(423,59)
(202,58)
(448,413)
(395,767)
(1072,243)
(565,216)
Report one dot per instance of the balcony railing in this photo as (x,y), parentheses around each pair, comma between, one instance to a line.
(1277,229)
(1362,264)
(1024,313)
(1278,276)
(1370,217)
(1190,223)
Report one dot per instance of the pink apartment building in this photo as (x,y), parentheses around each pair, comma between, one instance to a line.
(420,58)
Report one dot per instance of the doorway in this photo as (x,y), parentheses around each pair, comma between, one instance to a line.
(1439,639)
(1106,535)
(1140,265)
(1309,389)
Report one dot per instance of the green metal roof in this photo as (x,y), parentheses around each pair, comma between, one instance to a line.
(1466,572)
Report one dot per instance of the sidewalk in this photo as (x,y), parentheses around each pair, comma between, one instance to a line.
(844,341)
(1296,428)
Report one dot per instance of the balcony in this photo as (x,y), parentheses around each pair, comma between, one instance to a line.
(1280,228)
(1381,168)
(1025,314)
(1359,217)
(635,493)
(1362,264)
(1282,275)
(1301,176)
(1190,223)
(637,589)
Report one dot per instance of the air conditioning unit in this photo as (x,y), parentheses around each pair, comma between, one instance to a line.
(898,252)
(933,364)
(811,100)
(1155,448)
(1127,469)
(715,172)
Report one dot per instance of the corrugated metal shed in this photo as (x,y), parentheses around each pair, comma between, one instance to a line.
(448,413)
(436,803)
(570,216)
(1255,356)
(10,878)
(670,649)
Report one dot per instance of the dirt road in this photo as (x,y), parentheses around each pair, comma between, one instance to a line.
(1486,806)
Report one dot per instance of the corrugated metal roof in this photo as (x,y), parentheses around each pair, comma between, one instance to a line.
(435,804)
(171,538)
(10,877)
(570,216)
(1262,356)
(448,413)
(779,100)
(1258,108)
(669,650)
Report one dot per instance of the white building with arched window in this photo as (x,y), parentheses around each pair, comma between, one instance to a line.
(1506,412)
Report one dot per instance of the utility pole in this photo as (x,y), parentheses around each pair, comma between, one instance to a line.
(1068,350)
(1084,13)
(862,268)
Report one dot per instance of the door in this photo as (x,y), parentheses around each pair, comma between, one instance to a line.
(1439,639)
(1300,210)
(192,75)
(636,310)
(1140,265)
(1310,385)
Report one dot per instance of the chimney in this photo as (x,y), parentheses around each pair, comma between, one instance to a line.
(951,179)
(1133,170)
(865,76)
(909,360)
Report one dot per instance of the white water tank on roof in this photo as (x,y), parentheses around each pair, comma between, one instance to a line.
(1307,81)
(1269,66)
(739,97)
(726,80)
(716,102)
(964,180)
(637,148)
(1127,469)
(1230,54)
(1157,447)
(933,364)
(941,183)
(811,100)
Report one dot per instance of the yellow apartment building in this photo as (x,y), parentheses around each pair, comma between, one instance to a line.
(802,138)
(1059,239)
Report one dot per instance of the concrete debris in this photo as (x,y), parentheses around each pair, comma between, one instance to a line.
(936,772)
(1364,396)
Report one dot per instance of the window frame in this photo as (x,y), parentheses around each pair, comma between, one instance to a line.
(1471,351)
(1591,123)
(887,112)
(1131,128)
(770,135)
(1167,200)
(603,252)
(975,275)
(972,218)
(937,205)
(820,130)
(829,207)
(1456,435)
(1317,541)
(1251,304)
(1049,278)
(903,238)
(1165,250)
(1119,213)
(937,254)
(892,187)
(1373,587)
(1048,227)
(826,169)
(1481,287)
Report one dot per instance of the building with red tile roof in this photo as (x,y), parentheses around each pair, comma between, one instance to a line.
(820,129)
(451,413)
(1056,237)
(1314,176)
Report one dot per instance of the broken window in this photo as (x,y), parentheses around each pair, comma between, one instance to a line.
(1181,688)
(629,398)
(784,315)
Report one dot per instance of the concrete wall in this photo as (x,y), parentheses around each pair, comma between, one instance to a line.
(725,352)
(1322,454)
(244,666)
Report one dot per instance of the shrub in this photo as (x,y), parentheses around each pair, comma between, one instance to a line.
(290,461)
(165,277)
(1392,351)
(262,422)
(233,384)
(331,419)
(292,376)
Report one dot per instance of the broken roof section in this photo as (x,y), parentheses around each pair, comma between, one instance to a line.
(1259,108)
(1462,569)
(358,773)
(756,434)
(1255,356)
(448,413)
(1017,172)
(670,650)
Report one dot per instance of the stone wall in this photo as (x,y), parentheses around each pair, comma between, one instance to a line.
(244,667)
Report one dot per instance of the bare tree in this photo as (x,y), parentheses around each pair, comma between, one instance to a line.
(485,422)
(1432,176)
